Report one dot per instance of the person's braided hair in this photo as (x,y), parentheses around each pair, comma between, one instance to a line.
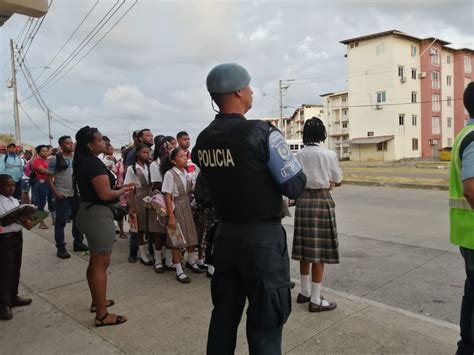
(83,137)
(314,131)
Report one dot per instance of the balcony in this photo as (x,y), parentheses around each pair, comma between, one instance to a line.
(33,8)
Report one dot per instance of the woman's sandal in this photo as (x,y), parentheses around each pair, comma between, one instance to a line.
(99,322)
(110,303)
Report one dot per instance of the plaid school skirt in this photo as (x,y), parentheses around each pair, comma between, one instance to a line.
(315,236)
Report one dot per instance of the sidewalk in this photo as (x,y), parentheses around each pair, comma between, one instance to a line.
(169,318)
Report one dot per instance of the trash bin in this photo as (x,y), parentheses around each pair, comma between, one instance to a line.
(445,154)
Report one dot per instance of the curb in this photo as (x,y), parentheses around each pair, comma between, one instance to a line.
(396,184)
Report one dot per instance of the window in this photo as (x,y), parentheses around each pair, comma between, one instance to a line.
(400,71)
(381,97)
(435,107)
(345,150)
(449,100)
(435,80)
(413,73)
(434,52)
(414,144)
(449,122)
(448,59)
(344,125)
(344,112)
(401,119)
(352,45)
(435,128)
(413,96)
(467,65)
(370,134)
(450,142)
(380,48)
(344,99)
(413,51)
(413,120)
(448,80)
(382,146)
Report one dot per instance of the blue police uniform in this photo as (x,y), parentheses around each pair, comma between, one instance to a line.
(248,167)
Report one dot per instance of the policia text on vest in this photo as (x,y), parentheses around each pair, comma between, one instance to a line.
(212,158)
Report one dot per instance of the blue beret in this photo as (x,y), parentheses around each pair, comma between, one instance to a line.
(227,78)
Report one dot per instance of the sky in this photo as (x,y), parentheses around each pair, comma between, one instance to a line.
(149,71)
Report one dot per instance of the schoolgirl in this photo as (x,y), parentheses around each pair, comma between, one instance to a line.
(177,187)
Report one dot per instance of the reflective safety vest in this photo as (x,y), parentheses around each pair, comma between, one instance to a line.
(461,213)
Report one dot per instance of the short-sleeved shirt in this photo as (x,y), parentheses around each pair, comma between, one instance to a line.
(63,178)
(169,186)
(155,172)
(43,163)
(13,166)
(131,177)
(89,168)
(320,165)
(467,170)
(6,205)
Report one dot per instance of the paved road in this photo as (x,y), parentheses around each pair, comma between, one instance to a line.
(395,249)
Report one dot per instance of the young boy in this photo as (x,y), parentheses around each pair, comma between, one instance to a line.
(11,246)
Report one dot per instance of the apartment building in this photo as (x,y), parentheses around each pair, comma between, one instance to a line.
(336,114)
(33,8)
(293,126)
(405,95)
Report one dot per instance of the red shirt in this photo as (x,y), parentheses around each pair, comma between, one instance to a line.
(40,162)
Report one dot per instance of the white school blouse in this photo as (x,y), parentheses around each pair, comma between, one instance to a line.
(320,166)
(169,185)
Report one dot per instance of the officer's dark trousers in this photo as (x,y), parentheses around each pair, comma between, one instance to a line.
(466,344)
(252,263)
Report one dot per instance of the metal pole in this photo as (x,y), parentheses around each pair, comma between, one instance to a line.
(15,97)
(280,125)
(49,126)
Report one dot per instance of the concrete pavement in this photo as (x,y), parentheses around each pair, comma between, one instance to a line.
(169,318)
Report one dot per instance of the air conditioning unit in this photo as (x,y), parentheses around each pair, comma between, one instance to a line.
(434,142)
(378,107)
(422,75)
(403,79)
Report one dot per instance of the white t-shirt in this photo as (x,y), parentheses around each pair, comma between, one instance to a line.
(6,205)
(320,165)
(169,185)
(131,177)
(155,173)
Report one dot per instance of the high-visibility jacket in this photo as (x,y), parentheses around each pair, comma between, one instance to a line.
(461,213)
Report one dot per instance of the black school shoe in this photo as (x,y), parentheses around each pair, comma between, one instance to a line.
(132,259)
(80,247)
(196,269)
(63,254)
(21,301)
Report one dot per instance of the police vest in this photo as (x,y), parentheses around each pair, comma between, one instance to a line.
(241,186)
(460,212)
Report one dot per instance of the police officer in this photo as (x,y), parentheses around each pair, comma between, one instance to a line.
(248,166)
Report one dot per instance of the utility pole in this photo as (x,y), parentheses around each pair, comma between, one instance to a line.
(15,97)
(280,121)
(49,126)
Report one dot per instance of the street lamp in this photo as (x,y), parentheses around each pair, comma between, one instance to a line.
(283,85)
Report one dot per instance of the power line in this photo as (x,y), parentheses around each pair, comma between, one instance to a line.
(95,45)
(36,30)
(31,120)
(69,38)
(82,45)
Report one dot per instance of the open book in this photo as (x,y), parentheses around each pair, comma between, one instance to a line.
(21,213)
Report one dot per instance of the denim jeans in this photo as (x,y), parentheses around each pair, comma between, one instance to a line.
(63,211)
(41,192)
(466,345)
(17,193)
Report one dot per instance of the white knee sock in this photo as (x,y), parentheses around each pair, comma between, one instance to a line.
(305,286)
(191,258)
(316,294)
(143,252)
(158,258)
(210,269)
(200,261)
(168,257)
(179,271)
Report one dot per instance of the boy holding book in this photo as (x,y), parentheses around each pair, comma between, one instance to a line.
(11,246)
